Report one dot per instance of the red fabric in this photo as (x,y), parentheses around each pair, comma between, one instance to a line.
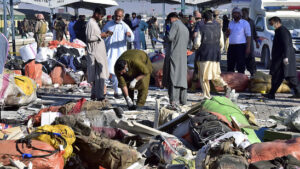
(34,71)
(55,43)
(59,76)
(77,108)
(271,150)
(8,151)
(237,81)
(158,79)
(18,72)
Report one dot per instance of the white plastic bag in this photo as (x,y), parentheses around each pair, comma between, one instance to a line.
(79,42)
(44,54)
(28,52)
(46,79)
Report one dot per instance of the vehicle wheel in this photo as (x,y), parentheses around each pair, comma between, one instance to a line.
(266,58)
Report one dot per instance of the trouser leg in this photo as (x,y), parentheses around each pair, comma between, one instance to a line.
(174,94)
(240,57)
(205,88)
(183,96)
(251,64)
(293,84)
(277,79)
(231,59)
(142,97)
(99,89)
(115,83)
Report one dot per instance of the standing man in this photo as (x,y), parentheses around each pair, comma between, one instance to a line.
(225,28)
(25,27)
(60,27)
(153,31)
(80,27)
(208,55)
(116,44)
(175,65)
(128,22)
(71,28)
(40,30)
(135,28)
(217,18)
(283,60)
(250,59)
(97,58)
(133,70)
(142,28)
(239,33)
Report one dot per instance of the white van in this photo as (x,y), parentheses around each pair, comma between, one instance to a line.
(261,11)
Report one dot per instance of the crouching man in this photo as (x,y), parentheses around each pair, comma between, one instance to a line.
(133,70)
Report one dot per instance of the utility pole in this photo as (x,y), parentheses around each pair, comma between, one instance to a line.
(183,6)
(164,10)
(5,18)
(12,22)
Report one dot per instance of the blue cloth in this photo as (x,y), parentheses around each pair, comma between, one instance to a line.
(68,60)
(136,31)
(142,28)
(4,48)
(71,31)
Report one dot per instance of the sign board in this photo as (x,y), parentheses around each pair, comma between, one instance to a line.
(49,3)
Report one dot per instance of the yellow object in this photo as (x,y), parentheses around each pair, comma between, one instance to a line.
(66,132)
(263,92)
(261,82)
(250,117)
(25,84)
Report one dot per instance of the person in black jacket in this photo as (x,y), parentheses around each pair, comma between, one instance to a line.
(128,22)
(250,58)
(283,64)
(80,27)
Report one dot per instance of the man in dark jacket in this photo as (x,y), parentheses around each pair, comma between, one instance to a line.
(250,59)
(80,27)
(283,64)
(128,22)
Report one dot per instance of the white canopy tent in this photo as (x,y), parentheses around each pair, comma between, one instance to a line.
(86,4)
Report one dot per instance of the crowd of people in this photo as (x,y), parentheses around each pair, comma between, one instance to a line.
(115,51)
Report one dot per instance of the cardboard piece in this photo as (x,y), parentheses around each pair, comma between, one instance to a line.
(49,117)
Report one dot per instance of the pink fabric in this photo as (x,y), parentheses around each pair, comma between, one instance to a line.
(5,83)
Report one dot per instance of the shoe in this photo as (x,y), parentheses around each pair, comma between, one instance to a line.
(269,96)
(117,96)
(296,96)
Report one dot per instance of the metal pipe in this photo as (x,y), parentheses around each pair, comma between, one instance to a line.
(5,18)
(183,6)
(12,20)
(164,10)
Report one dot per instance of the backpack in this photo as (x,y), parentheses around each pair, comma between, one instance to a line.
(226,155)
(43,28)
(205,127)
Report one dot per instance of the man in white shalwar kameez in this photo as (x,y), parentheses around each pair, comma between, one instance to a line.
(97,58)
(116,44)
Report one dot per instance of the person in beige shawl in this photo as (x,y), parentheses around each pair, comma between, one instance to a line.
(97,58)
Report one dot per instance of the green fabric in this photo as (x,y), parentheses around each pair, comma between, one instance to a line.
(225,107)
(181,160)
(138,64)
